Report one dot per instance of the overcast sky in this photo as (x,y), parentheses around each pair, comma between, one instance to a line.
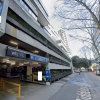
(73,44)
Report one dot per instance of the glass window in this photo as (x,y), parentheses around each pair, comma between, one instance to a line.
(22,2)
(42,7)
(32,4)
(28,9)
(34,16)
(46,31)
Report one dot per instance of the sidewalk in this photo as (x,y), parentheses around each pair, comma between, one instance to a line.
(46,92)
(43,92)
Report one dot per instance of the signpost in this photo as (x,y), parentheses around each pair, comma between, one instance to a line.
(1,8)
(48,77)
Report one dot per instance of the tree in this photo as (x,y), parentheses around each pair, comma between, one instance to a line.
(86,53)
(85,62)
(77,11)
(94,66)
(80,62)
(82,15)
(75,61)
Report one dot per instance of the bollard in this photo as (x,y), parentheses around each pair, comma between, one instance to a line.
(19,91)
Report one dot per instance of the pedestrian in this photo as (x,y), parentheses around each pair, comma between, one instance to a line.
(79,72)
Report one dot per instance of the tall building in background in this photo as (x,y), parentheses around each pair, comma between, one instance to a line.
(62,34)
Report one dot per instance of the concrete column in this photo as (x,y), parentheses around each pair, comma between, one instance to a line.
(9,71)
(29,73)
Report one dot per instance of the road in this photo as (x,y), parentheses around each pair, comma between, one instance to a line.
(85,86)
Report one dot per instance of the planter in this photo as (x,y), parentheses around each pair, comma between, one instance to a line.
(54,61)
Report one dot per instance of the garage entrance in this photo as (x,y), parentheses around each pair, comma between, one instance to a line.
(22,70)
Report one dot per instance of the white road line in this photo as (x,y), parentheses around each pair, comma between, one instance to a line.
(83,93)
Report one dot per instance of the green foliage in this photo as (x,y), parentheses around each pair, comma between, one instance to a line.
(58,51)
(59,60)
(94,66)
(57,74)
(54,58)
(65,63)
(80,62)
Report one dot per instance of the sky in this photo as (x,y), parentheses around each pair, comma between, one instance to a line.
(74,45)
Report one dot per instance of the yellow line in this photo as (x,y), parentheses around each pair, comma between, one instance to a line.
(22,96)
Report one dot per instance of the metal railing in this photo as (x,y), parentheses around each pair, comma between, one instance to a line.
(19,90)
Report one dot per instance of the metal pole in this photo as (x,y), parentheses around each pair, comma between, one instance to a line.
(19,91)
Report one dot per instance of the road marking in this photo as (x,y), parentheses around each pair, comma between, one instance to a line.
(83,93)
(22,96)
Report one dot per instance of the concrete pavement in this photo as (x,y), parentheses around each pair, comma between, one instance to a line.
(85,86)
(30,91)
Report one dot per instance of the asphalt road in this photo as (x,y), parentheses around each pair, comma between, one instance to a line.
(85,86)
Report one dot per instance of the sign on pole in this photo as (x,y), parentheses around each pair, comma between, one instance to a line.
(1,7)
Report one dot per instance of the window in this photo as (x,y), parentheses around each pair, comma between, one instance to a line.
(47,31)
(42,7)
(32,4)
(28,9)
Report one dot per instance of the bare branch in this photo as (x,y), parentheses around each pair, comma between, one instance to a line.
(93,4)
(92,14)
(78,28)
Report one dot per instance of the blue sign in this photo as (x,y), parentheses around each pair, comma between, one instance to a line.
(21,54)
(15,53)
(48,76)
(39,59)
(46,60)
(47,72)
(1,7)
(32,57)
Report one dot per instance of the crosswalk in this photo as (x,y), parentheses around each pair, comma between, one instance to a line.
(83,93)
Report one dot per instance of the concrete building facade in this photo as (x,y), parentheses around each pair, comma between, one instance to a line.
(63,36)
(24,42)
